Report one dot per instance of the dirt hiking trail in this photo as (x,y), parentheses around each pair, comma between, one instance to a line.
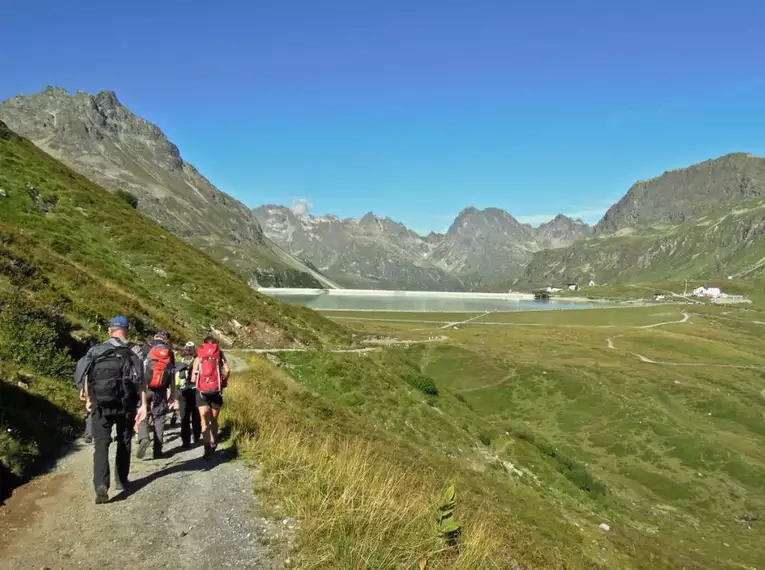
(182,512)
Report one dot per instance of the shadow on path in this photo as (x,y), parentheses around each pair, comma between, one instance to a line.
(191,465)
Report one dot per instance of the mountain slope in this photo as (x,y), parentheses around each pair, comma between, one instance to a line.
(699,222)
(378,252)
(71,256)
(104,141)
(371,252)
(681,194)
(720,244)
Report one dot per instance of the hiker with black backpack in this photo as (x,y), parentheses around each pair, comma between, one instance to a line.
(186,396)
(158,374)
(210,373)
(113,380)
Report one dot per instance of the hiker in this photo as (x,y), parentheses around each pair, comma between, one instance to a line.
(210,373)
(186,396)
(158,372)
(113,380)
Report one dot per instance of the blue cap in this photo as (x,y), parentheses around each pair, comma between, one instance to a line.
(118,322)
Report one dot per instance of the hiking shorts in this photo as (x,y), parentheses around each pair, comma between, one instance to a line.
(210,400)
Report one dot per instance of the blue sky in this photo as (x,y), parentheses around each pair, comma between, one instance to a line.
(415,109)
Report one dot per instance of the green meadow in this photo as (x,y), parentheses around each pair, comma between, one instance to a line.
(553,422)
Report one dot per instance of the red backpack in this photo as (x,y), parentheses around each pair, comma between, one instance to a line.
(210,363)
(159,361)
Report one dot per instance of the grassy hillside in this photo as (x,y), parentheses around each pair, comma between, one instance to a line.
(365,476)
(546,431)
(725,243)
(71,256)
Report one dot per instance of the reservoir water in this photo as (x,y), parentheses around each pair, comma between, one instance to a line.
(421,302)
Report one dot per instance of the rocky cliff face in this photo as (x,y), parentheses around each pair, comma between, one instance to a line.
(679,195)
(561,231)
(101,139)
(479,247)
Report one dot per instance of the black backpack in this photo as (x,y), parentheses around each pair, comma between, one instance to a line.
(111,377)
(183,370)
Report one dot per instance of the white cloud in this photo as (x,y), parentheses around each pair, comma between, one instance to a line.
(301,207)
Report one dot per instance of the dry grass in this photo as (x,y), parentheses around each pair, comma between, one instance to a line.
(363,499)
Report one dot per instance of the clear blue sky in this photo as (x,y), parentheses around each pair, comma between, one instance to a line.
(415,109)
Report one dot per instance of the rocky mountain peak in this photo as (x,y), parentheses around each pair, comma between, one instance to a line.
(107,99)
(368,219)
(487,220)
(561,231)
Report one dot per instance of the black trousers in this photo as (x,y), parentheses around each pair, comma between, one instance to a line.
(102,422)
(190,420)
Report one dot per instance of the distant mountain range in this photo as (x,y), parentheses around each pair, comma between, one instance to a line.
(700,221)
(373,252)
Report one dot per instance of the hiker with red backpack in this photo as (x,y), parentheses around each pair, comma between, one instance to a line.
(113,385)
(159,367)
(210,373)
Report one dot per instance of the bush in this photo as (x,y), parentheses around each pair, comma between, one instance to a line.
(128,197)
(485,438)
(32,337)
(424,384)
(523,433)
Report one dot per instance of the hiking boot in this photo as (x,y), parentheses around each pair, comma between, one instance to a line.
(208,452)
(186,445)
(143,447)
(102,495)
(88,439)
(158,454)
(121,485)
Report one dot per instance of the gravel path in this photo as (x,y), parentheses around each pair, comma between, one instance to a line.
(184,512)
(686,319)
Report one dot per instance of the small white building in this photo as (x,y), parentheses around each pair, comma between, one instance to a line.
(708,292)
(553,289)
(573,286)
(591,283)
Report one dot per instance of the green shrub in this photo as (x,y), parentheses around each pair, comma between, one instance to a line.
(128,197)
(32,337)
(485,438)
(523,433)
(424,384)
